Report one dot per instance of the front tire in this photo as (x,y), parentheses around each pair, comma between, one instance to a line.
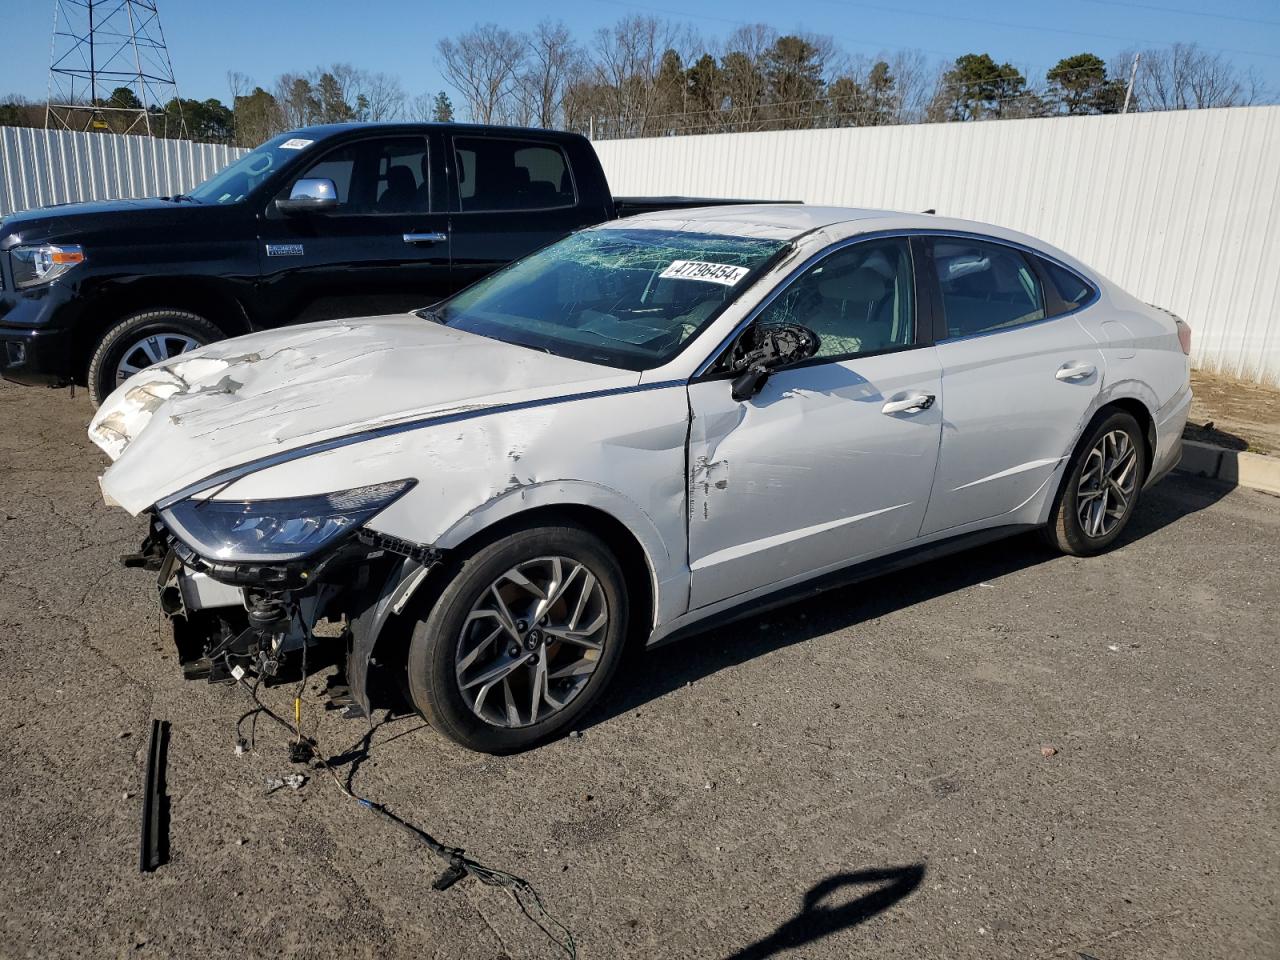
(143,339)
(523,639)
(1100,491)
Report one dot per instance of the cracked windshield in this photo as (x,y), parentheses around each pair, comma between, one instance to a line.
(624,298)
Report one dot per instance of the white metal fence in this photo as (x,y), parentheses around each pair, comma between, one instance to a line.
(40,167)
(1181,209)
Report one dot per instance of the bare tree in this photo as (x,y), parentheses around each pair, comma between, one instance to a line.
(552,60)
(383,96)
(1183,76)
(482,65)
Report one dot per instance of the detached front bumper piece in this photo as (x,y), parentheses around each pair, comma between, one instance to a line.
(232,620)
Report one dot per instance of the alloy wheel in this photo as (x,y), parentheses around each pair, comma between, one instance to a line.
(151,349)
(1107,484)
(531,641)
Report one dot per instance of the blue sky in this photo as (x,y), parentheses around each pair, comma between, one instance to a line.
(209,37)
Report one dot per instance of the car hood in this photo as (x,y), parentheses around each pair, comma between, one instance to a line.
(242,400)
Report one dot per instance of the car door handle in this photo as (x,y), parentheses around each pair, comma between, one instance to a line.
(425,237)
(1075,371)
(911,404)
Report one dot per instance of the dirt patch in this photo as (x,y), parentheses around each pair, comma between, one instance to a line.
(1234,413)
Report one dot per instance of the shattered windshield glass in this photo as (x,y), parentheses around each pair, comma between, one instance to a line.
(627,298)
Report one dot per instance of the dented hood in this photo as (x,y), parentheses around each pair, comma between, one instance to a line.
(240,400)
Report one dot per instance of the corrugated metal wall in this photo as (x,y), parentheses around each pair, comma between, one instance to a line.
(1181,208)
(40,167)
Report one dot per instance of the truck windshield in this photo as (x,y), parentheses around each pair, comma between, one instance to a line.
(627,298)
(238,180)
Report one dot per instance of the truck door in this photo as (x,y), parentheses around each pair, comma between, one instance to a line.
(512,195)
(384,249)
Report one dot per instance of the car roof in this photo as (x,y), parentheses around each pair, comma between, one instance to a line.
(790,221)
(321,131)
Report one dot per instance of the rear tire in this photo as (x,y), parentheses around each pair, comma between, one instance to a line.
(141,339)
(1101,488)
(450,659)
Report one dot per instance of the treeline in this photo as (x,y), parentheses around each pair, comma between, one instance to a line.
(645,76)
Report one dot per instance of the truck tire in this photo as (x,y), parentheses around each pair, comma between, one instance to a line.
(141,339)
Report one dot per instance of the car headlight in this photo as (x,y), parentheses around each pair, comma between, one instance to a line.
(44,263)
(271,531)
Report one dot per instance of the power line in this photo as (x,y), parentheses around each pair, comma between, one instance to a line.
(1035,28)
(1185,13)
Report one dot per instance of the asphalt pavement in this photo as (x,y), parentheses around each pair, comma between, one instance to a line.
(1002,754)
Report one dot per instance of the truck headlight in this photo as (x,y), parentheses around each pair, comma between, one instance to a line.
(43,263)
(270,531)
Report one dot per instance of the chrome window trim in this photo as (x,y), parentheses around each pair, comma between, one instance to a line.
(909,232)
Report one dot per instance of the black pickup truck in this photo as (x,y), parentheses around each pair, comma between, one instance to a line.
(318,223)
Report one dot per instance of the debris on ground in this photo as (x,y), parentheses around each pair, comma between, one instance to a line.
(294,781)
(1048,751)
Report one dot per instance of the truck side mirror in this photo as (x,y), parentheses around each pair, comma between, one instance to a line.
(765,348)
(310,195)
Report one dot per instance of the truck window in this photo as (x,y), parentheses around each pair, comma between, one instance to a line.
(509,174)
(388,175)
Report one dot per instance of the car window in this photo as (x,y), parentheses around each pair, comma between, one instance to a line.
(402,176)
(1071,288)
(337,166)
(388,175)
(628,298)
(858,300)
(502,174)
(985,287)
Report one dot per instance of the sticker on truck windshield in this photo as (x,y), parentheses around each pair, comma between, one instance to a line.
(297,143)
(721,273)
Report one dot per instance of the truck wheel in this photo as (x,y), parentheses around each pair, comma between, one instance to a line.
(141,339)
(522,640)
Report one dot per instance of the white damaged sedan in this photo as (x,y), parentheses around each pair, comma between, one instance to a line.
(649,425)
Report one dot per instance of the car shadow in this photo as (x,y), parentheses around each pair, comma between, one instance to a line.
(819,917)
(657,672)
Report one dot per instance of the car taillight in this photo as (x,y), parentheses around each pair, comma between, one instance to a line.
(1184,336)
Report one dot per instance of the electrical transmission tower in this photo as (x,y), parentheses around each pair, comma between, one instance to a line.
(109,69)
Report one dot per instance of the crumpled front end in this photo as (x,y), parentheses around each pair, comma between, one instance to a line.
(233,620)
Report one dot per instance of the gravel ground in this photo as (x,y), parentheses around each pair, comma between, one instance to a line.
(864,775)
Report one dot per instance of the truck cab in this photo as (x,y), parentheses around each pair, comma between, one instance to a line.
(318,223)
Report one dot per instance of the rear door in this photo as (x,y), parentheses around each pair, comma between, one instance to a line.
(385,249)
(1017,386)
(512,195)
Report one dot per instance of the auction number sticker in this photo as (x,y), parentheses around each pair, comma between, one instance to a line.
(721,273)
(297,143)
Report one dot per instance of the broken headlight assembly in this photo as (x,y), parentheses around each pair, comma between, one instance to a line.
(275,531)
(43,263)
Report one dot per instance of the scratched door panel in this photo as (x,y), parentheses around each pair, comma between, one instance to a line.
(811,473)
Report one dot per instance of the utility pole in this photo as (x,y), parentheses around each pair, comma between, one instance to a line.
(99,47)
(1133,75)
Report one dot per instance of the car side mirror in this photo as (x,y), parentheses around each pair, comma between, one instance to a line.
(765,348)
(310,195)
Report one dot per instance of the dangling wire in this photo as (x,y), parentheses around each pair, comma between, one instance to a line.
(459,866)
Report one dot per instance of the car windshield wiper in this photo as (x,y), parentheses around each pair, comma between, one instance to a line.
(432,314)
(182,198)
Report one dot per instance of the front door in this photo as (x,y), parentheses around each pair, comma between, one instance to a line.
(833,460)
(1017,385)
(385,249)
